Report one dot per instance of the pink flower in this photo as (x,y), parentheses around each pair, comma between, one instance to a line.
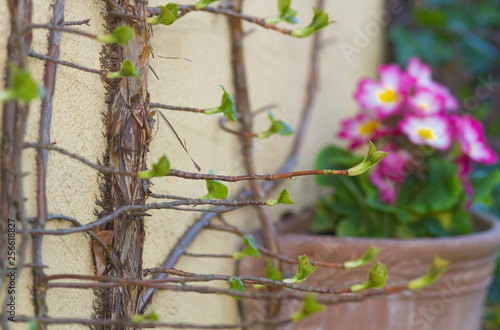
(434,131)
(472,141)
(422,74)
(425,102)
(360,129)
(389,172)
(385,96)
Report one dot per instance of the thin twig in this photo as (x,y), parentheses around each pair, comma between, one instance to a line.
(65,63)
(255,20)
(208,255)
(222,124)
(102,169)
(173,107)
(61,28)
(82,22)
(77,224)
(252,177)
(186,277)
(225,206)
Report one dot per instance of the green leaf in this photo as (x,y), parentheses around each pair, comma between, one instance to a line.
(23,88)
(369,255)
(236,284)
(371,159)
(435,270)
(484,187)
(273,273)
(227,106)
(376,279)
(33,325)
(309,307)
(121,36)
(346,228)
(161,168)
(216,189)
(126,70)
(250,248)
(438,190)
(319,21)
(168,15)
(203,3)
(283,198)
(286,13)
(304,269)
(277,127)
(145,317)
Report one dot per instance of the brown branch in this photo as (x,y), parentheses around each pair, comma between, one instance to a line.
(252,177)
(77,224)
(82,22)
(108,281)
(14,118)
(102,169)
(186,277)
(173,107)
(31,53)
(61,28)
(226,206)
(208,255)
(233,14)
(150,324)
(39,288)
(222,124)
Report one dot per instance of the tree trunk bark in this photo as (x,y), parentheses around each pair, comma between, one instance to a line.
(129,127)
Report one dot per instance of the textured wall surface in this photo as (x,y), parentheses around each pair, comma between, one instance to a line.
(277,68)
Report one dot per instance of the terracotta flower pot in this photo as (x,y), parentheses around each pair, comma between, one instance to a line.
(454,302)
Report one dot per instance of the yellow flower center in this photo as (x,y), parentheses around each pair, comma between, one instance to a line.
(368,128)
(423,106)
(387,96)
(425,133)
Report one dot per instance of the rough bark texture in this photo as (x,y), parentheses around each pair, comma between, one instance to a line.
(128,130)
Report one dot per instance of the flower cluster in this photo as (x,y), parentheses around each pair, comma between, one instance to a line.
(407,111)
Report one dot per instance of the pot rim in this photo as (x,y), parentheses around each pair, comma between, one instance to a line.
(488,238)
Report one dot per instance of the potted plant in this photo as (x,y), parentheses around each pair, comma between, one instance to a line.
(413,206)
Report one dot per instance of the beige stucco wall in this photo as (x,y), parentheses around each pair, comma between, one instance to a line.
(277,68)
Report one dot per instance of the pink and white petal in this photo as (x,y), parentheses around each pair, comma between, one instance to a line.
(390,76)
(481,153)
(450,102)
(419,71)
(367,93)
(437,126)
(424,102)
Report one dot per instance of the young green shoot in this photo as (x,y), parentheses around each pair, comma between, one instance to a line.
(227,106)
(376,279)
(434,272)
(126,70)
(283,198)
(250,248)
(120,36)
(369,255)
(161,168)
(304,269)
